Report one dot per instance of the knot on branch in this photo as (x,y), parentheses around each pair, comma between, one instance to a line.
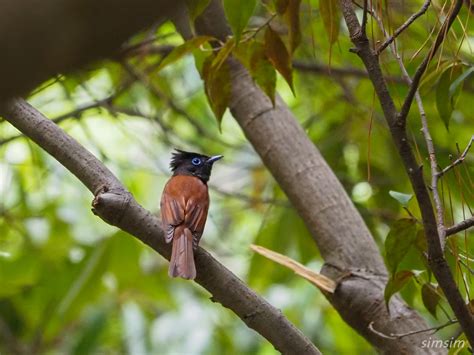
(110,204)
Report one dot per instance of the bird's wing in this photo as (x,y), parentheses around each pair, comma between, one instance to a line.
(196,216)
(172,213)
(185,201)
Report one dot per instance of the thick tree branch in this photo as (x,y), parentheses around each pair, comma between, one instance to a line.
(41,39)
(115,205)
(338,229)
(437,261)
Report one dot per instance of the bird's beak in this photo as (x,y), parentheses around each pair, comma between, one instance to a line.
(214,159)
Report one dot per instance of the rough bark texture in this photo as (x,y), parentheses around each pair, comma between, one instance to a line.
(39,39)
(336,226)
(115,205)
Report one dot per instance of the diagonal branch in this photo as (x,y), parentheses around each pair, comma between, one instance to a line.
(458,160)
(403,27)
(115,205)
(459,227)
(422,68)
(397,127)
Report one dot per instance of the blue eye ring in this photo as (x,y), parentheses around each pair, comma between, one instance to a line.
(196,161)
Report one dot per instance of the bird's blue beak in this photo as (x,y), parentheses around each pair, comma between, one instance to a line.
(214,158)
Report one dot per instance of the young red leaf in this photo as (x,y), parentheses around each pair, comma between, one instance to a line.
(292,17)
(278,55)
(217,87)
(331,18)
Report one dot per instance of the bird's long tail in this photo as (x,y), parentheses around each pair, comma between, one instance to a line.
(182,256)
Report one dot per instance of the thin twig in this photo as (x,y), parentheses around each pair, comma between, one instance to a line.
(403,27)
(399,336)
(458,160)
(459,227)
(422,68)
(314,67)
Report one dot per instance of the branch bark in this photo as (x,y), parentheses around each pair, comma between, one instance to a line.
(336,226)
(115,205)
(39,39)
(396,123)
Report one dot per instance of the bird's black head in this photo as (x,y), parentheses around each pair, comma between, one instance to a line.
(195,164)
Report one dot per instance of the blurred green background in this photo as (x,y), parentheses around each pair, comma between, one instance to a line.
(69,283)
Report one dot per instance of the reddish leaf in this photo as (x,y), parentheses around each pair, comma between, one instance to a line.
(396,283)
(217,87)
(292,17)
(331,18)
(262,70)
(278,55)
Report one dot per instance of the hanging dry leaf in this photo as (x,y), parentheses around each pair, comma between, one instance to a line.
(322,282)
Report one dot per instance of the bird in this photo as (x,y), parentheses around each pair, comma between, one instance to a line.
(184,206)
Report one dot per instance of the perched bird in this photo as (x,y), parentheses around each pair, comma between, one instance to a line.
(184,205)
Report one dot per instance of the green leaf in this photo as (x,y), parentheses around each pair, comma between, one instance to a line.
(186,48)
(217,87)
(396,283)
(455,86)
(444,97)
(331,18)
(238,14)
(420,242)
(196,7)
(399,240)
(278,55)
(401,197)
(262,71)
(242,53)
(91,330)
(223,53)
(431,77)
(430,298)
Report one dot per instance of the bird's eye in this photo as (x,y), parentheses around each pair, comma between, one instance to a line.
(196,161)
